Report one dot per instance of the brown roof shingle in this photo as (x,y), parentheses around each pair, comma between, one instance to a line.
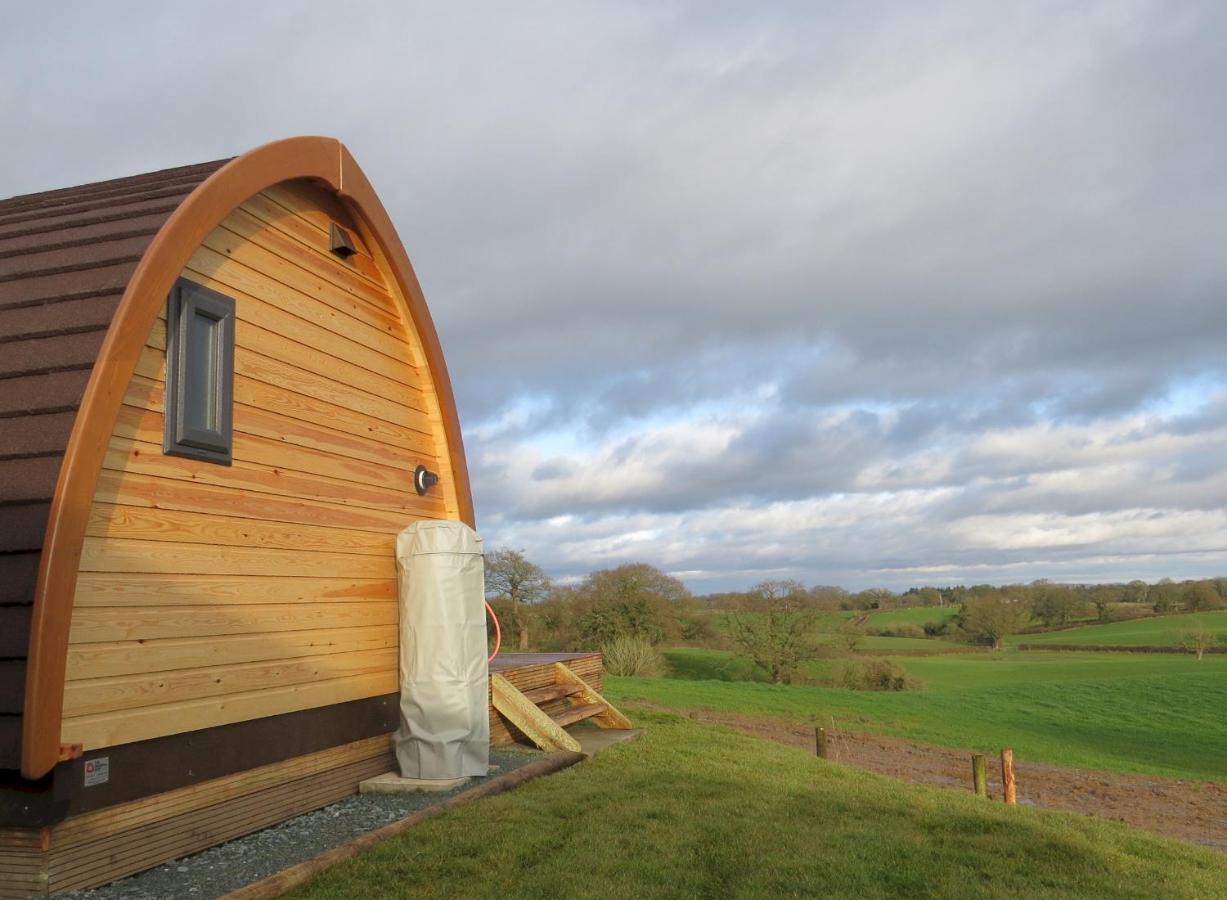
(65,259)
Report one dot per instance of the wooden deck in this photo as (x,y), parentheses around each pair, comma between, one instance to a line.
(98,847)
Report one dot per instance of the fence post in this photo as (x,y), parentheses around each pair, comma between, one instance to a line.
(820,742)
(1007,777)
(979,775)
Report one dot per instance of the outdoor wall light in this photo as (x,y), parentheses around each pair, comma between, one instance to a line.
(340,242)
(424,479)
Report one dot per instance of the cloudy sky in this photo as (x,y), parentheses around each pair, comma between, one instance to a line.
(857,293)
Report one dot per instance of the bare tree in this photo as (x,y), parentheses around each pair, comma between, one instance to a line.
(1199,642)
(777,631)
(511,577)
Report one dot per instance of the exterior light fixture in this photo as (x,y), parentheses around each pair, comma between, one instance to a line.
(424,479)
(340,242)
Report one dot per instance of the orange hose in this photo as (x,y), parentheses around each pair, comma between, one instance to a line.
(498,633)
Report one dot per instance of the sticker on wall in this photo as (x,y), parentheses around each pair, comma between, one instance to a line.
(97,771)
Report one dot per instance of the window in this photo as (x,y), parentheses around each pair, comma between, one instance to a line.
(199,373)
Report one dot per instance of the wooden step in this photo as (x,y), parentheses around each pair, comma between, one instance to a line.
(528,717)
(576,713)
(552,692)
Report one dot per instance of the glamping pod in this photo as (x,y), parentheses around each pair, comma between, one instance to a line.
(221,398)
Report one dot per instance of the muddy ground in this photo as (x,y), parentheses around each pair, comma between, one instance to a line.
(1188,809)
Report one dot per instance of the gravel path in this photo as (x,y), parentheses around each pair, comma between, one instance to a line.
(219,870)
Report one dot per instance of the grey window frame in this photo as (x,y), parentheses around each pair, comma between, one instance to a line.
(186,304)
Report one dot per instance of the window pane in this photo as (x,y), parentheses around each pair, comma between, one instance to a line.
(200,373)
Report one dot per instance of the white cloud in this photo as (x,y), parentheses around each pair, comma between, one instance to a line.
(852,293)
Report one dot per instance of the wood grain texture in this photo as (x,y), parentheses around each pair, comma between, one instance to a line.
(136,656)
(528,717)
(111,728)
(608,716)
(319,486)
(529,672)
(135,489)
(116,591)
(109,520)
(102,695)
(143,623)
(325,163)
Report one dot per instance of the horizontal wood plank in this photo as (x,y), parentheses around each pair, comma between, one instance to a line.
(310,374)
(411,388)
(124,589)
(106,694)
(149,394)
(132,657)
(107,520)
(137,489)
(306,331)
(146,458)
(304,220)
(354,279)
(177,558)
(109,729)
(95,827)
(93,624)
(297,301)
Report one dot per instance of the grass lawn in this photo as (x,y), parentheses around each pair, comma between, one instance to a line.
(1158,631)
(886,644)
(1159,714)
(717,665)
(825,621)
(697,811)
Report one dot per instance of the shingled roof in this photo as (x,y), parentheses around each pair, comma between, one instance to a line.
(65,259)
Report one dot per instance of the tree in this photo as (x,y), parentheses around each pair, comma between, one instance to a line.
(873,598)
(991,619)
(1164,595)
(1053,604)
(1104,597)
(511,577)
(1199,642)
(777,631)
(634,599)
(1200,595)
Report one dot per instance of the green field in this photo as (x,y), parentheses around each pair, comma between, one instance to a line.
(885,645)
(1159,714)
(715,665)
(693,810)
(699,663)
(825,621)
(1158,631)
(918,616)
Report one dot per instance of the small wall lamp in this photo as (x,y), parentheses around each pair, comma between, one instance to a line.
(424,479)
(340,242)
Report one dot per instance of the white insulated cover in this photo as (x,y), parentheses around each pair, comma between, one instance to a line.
(444,723)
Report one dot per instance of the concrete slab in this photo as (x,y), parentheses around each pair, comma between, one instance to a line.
(593,740)
(392,783)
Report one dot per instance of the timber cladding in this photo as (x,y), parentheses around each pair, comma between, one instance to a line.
(65,259)
(293,768)
(211,594)
(144,597)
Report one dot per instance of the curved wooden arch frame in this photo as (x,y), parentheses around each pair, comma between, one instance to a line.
(326,160)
